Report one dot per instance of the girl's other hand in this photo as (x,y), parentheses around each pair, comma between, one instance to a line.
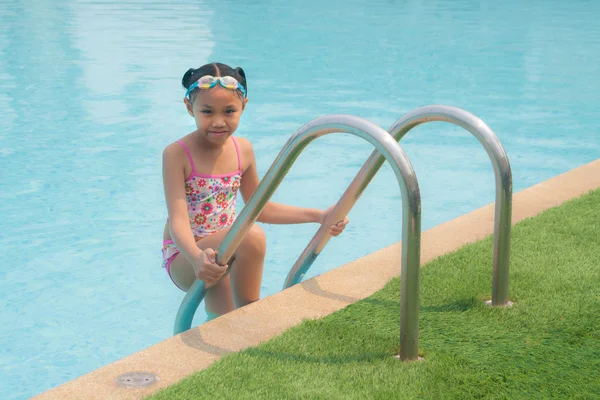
(338,227)
(206,267)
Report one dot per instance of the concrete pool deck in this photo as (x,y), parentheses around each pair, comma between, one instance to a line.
(196,349)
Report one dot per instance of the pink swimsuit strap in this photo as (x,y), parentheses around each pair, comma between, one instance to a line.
(189,155)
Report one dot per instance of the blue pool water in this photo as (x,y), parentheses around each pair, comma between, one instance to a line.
(90,95)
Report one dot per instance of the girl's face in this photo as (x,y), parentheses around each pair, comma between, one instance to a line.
(217,112)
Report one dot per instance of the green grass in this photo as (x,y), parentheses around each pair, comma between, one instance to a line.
(546,346)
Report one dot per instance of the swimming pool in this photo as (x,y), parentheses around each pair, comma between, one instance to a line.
(90,95)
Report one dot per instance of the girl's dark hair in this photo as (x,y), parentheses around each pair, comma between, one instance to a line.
(214,69)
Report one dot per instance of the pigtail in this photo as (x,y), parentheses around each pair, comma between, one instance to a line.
(186,81)
(240,71)
(242,74)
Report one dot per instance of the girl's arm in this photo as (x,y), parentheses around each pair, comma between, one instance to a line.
(276,213)
(174,186)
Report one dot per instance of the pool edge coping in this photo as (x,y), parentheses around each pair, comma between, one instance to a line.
(179,356)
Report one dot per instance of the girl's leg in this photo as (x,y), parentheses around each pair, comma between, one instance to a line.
(218,300)
(246,272)
(247,268)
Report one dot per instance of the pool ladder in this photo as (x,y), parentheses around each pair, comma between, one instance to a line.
(387,148)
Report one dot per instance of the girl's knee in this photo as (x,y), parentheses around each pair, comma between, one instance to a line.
(255,240)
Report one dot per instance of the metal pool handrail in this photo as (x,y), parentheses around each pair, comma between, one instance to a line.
(411,218)
(503,211)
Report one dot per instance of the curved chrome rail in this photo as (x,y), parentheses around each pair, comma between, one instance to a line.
(502,171)
(411,218)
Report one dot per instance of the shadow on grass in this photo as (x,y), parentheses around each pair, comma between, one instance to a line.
(382,303)
(323,359)
(463,304)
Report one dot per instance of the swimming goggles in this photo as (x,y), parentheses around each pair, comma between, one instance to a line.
(209,82)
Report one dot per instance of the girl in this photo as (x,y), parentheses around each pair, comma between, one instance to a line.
(202,173)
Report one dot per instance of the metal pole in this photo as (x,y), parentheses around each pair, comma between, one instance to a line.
(411,217)
(502,171)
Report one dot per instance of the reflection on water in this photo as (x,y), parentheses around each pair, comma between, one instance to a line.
(90,94)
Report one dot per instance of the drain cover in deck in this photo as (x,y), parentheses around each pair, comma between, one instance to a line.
(136,379)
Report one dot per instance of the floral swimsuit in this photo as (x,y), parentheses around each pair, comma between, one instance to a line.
(210,201)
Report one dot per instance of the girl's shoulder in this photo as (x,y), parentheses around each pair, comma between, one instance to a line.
(174,148)
(244,146)
(175,152)
(180,144)
(246,152)
(242,142)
